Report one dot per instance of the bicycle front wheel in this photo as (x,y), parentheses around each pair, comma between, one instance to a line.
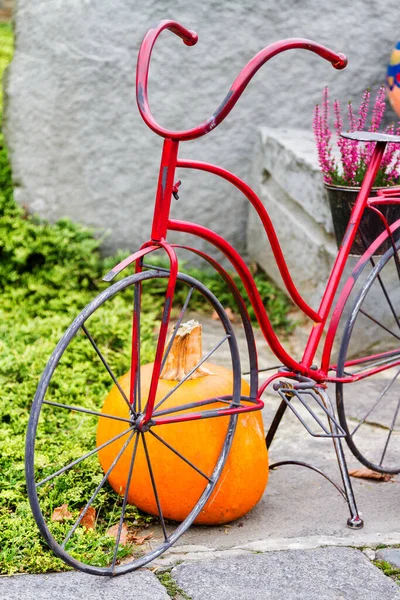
(87,522)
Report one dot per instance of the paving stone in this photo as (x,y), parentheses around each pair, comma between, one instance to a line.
(140,585)
(390,555)
(323,574)
(369,553)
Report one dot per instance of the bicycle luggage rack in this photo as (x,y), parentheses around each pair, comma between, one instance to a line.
(289,391)
(305,386)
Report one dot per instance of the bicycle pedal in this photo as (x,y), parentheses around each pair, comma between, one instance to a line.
(305,396)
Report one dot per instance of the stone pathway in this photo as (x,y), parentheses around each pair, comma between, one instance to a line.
(320,574)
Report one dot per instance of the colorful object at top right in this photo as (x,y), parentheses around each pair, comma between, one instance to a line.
(393,79)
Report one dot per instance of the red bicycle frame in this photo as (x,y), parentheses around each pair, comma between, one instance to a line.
(162,223)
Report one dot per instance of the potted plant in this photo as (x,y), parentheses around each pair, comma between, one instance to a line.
(343,168)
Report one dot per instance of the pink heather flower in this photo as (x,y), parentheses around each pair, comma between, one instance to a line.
(377,115)
(352,119)
(344,145)
(353,145)
(363,112)
(378,110)
(393,170)
(390,149)
(354,156)
(323,135)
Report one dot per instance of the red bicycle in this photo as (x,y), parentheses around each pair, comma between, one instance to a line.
(297,381)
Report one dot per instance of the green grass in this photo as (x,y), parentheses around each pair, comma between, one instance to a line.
(48,273)
(275,302)
(388,570)
(6,50)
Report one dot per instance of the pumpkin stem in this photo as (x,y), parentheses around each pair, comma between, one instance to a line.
(186,352)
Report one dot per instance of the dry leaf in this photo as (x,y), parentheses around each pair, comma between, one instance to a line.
(113,532)
(365,473)
(253,267)
(226,530)
(89,520)
(139,540)
(61,513)
(229,313)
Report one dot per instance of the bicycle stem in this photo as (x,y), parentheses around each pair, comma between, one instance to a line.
(164,189)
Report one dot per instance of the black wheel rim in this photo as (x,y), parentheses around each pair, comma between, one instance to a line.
(136,438)
(381,407)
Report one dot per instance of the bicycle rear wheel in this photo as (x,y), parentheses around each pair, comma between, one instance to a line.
(83,520)
(368,409)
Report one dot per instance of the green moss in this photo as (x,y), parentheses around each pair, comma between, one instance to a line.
(173,590)
(388,570)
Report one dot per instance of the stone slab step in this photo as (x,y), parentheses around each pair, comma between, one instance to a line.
(140,585)
(323,574)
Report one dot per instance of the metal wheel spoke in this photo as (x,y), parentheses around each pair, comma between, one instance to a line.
(378,363)
(387,387)
(155,268)
(169,411)
(175,330)
(92,498)
(137,385)
(379,323)
(128,483)
(78,460)
(86,411)
(153,483)
(379,278)
(203,360)
(396,412)
(186,460)
(106,365)
(395,255)
(385,293)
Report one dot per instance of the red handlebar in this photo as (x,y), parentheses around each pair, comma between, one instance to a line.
(339,61)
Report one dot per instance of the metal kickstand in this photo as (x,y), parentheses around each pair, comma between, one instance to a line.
(303,391)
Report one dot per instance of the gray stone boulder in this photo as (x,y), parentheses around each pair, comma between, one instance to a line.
(287,180)
(77,144)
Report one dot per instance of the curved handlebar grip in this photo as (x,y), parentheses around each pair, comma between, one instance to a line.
(338,61)
(188,36)
(341,63)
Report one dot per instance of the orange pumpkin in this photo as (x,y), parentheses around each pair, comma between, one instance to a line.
(179,486)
